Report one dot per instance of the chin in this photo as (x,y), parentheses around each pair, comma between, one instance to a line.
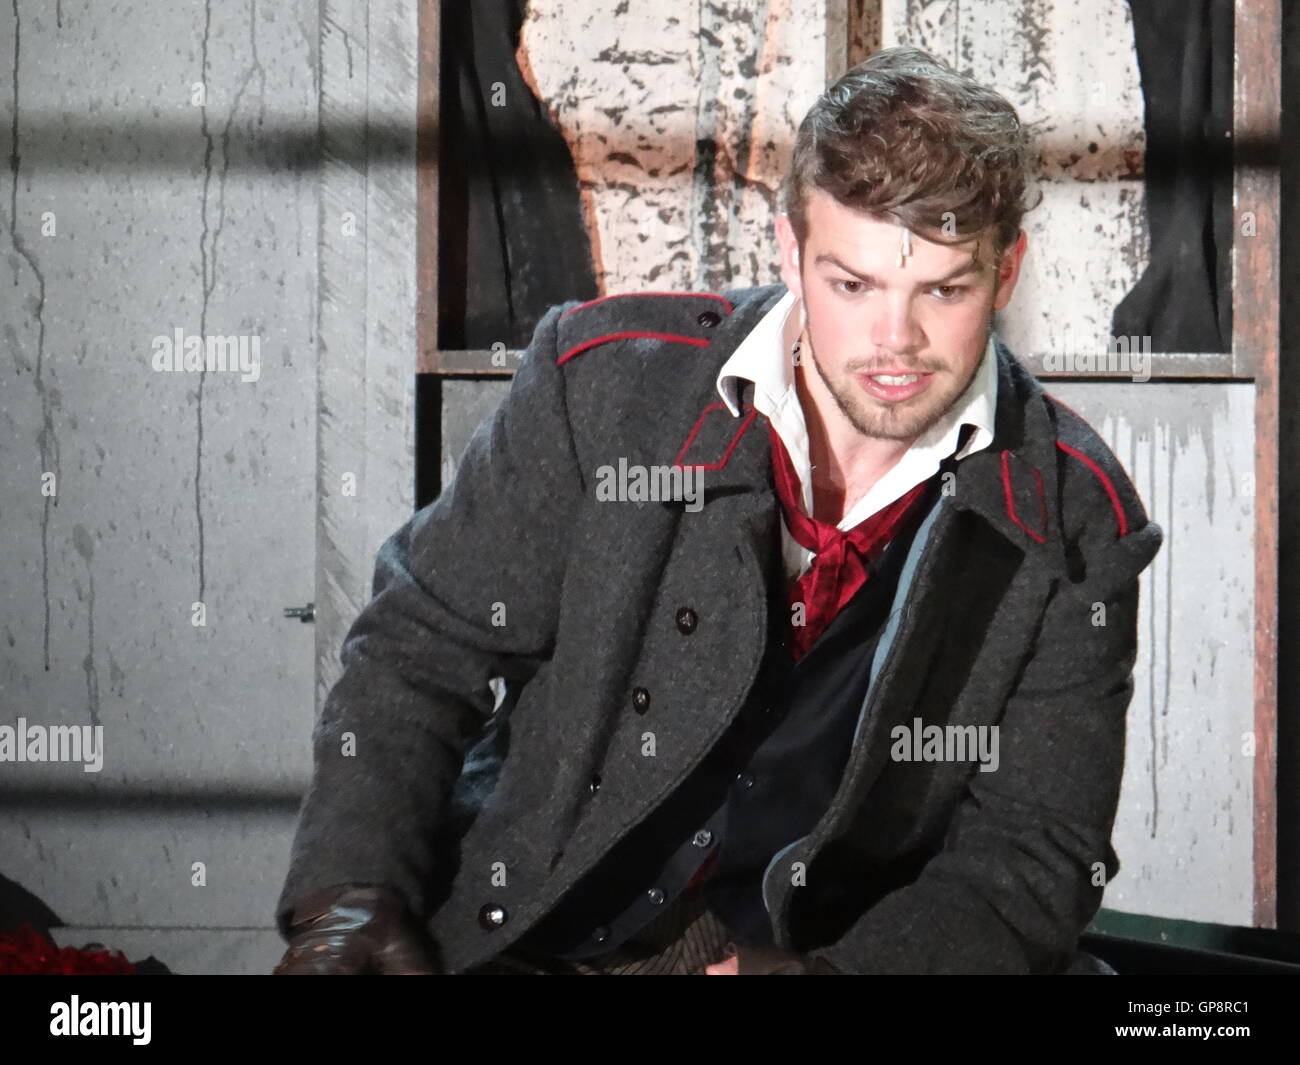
(898,422)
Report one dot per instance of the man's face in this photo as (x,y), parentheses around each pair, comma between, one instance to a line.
(925,321)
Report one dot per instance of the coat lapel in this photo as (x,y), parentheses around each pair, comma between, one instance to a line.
(1012,483)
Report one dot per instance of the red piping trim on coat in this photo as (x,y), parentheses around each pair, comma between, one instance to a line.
(726,455)
(1011,509)
(676,295)
(1061,403)
(1105,483)
(699,342)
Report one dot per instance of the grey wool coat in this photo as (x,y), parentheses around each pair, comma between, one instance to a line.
(1017,607)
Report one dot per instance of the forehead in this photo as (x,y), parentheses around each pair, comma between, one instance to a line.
(856,236)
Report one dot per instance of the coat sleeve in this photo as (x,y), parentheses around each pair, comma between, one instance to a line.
(467,590)
(1021,869)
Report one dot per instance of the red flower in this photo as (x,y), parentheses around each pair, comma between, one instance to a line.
(28,952)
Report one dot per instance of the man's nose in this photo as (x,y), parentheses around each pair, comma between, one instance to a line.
(894,327)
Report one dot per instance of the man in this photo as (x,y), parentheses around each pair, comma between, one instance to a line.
(781,630)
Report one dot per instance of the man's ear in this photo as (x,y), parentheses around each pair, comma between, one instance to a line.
(1008,271)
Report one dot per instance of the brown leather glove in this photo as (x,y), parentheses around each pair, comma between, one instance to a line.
(761,960)
(354,929)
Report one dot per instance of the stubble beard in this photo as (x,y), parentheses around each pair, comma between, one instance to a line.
(892,421)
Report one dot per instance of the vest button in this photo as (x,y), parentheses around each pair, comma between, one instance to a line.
(708,319)
(655,895)
(595,784)
(703,838)
(686,620)
(600,933)
(640,700)
(745,779)
(492,916)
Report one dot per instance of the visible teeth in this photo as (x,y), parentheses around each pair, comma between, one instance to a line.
(886,379)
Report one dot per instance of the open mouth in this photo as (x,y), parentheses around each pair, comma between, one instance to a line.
(893,388)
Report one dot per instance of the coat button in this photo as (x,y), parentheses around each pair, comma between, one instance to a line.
(686,620)
(708,319)
(600,933)
(703,838)
(492,916)
(640,700)
(655,895)
(595,784)
(745,779)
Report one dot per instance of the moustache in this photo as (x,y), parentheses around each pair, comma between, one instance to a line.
(879,367)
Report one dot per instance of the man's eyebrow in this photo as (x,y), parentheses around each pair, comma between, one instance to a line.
(971,266)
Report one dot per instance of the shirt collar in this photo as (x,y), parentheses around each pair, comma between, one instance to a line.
(763,357)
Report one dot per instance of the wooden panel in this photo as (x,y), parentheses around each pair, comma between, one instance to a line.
(426,222)
(1255,321)
(1208,366)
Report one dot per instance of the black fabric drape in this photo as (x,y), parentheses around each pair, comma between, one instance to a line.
(1183,300)
(512,239)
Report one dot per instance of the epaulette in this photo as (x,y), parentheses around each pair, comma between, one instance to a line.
(675,317)
(1079,440)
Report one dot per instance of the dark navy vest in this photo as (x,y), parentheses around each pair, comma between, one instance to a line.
(765,784)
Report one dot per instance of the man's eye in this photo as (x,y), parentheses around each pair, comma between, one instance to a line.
(843,287)
(949,293)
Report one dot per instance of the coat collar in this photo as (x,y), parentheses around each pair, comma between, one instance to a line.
(1012,484)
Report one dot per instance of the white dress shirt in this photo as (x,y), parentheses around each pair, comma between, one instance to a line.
(765,358)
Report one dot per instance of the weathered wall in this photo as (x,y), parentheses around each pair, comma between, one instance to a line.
(162,178)
(680,127)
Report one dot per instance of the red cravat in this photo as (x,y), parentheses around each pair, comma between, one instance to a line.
(841,560)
